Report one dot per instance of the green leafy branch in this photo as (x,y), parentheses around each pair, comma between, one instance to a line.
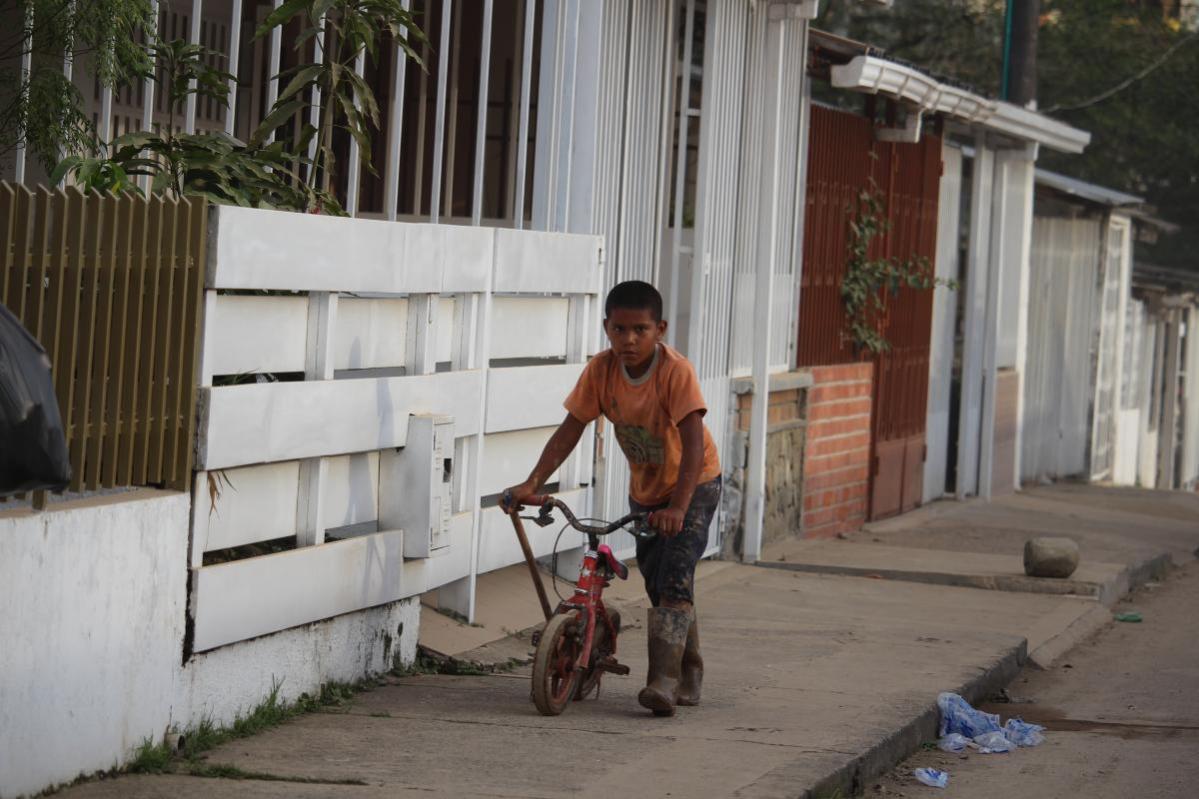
(213,165)
(344,31)
(869,283)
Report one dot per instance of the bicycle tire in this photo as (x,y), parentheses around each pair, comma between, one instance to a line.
(554,675)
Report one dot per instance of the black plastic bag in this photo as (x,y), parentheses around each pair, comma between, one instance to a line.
(33,446)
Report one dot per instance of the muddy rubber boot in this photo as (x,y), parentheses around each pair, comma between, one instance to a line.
(693,669)
(667,630)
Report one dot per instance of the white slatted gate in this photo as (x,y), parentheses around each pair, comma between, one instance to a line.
(367,325)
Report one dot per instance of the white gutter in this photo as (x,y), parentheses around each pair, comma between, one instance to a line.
(874,75)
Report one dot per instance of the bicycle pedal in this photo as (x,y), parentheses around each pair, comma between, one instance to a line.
(610,665)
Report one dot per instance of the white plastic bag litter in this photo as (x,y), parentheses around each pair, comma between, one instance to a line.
(958,716)
(954,742)
(992,743)
(931,777)
(1021,733)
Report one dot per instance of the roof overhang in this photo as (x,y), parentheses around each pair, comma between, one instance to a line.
(873,75)
(1100,195)
(1184,283)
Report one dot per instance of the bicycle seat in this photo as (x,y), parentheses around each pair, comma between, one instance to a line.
(618,568)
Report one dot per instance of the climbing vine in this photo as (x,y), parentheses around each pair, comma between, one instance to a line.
(870,282)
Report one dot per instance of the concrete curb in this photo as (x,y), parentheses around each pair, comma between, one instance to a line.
(1083,627)
(992,582)
(1107,593)
(853,776)
(1134,576)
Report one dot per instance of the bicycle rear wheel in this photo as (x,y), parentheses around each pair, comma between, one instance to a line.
(602,647)
(554,674)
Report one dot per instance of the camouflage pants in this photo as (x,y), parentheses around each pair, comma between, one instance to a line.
(668,564)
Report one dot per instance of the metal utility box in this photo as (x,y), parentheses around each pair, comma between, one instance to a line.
(416,485)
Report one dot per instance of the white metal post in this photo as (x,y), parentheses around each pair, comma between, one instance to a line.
(476,205)
(451,121)
(548,112)
(680,171)
(272,85)
(801,214)
(1123,266)
(148,91)
(657,223)
(522,147)
(585,123)
(443,61)
(26,71)
(68,65)
(354,159)
(483,363)
(1168,424)
(564,140)
(314,111)
(755,492)
(395,130)
(193,38)
(995,276)
(1027,189)
(233,66)
(979,246)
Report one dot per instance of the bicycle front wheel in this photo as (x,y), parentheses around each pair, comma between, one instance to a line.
(554,674)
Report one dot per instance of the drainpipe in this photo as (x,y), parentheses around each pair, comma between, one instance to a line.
(777,29)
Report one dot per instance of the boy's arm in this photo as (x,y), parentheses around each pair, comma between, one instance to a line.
(691,430)
(557,449)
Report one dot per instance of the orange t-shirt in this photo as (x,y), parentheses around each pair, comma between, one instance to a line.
(645,413)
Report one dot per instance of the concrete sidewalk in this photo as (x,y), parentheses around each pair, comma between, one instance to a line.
(816,683)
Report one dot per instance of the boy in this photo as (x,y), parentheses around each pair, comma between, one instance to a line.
(650,394)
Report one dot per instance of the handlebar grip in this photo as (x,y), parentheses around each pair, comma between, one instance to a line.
(537,499)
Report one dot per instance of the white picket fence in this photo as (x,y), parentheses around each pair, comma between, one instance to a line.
(477,331)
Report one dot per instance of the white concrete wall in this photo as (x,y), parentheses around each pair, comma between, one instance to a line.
(94,598)
(92,631)
(233,679)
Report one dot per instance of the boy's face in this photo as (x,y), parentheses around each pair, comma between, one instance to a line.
(634,335)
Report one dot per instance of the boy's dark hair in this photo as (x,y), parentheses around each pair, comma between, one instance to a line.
(634,295)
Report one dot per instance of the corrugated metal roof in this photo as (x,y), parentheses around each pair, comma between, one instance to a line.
(1086,191)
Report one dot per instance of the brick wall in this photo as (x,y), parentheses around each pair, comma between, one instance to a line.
(836,470)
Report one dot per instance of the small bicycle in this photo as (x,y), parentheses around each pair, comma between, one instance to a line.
(578,643)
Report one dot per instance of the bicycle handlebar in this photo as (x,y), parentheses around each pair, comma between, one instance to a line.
(546,502)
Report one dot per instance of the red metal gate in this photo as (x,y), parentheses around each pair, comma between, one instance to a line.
(844,159)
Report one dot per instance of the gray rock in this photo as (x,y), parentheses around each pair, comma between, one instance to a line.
(1050,557)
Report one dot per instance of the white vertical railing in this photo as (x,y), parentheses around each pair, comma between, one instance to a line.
(443,61)
(395,129)
(319,45)
(354,159)
(526,90)
(234,66)
(682,121)
(193,38)
(272,86)
(476,213)
(26,71)
(769,185)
